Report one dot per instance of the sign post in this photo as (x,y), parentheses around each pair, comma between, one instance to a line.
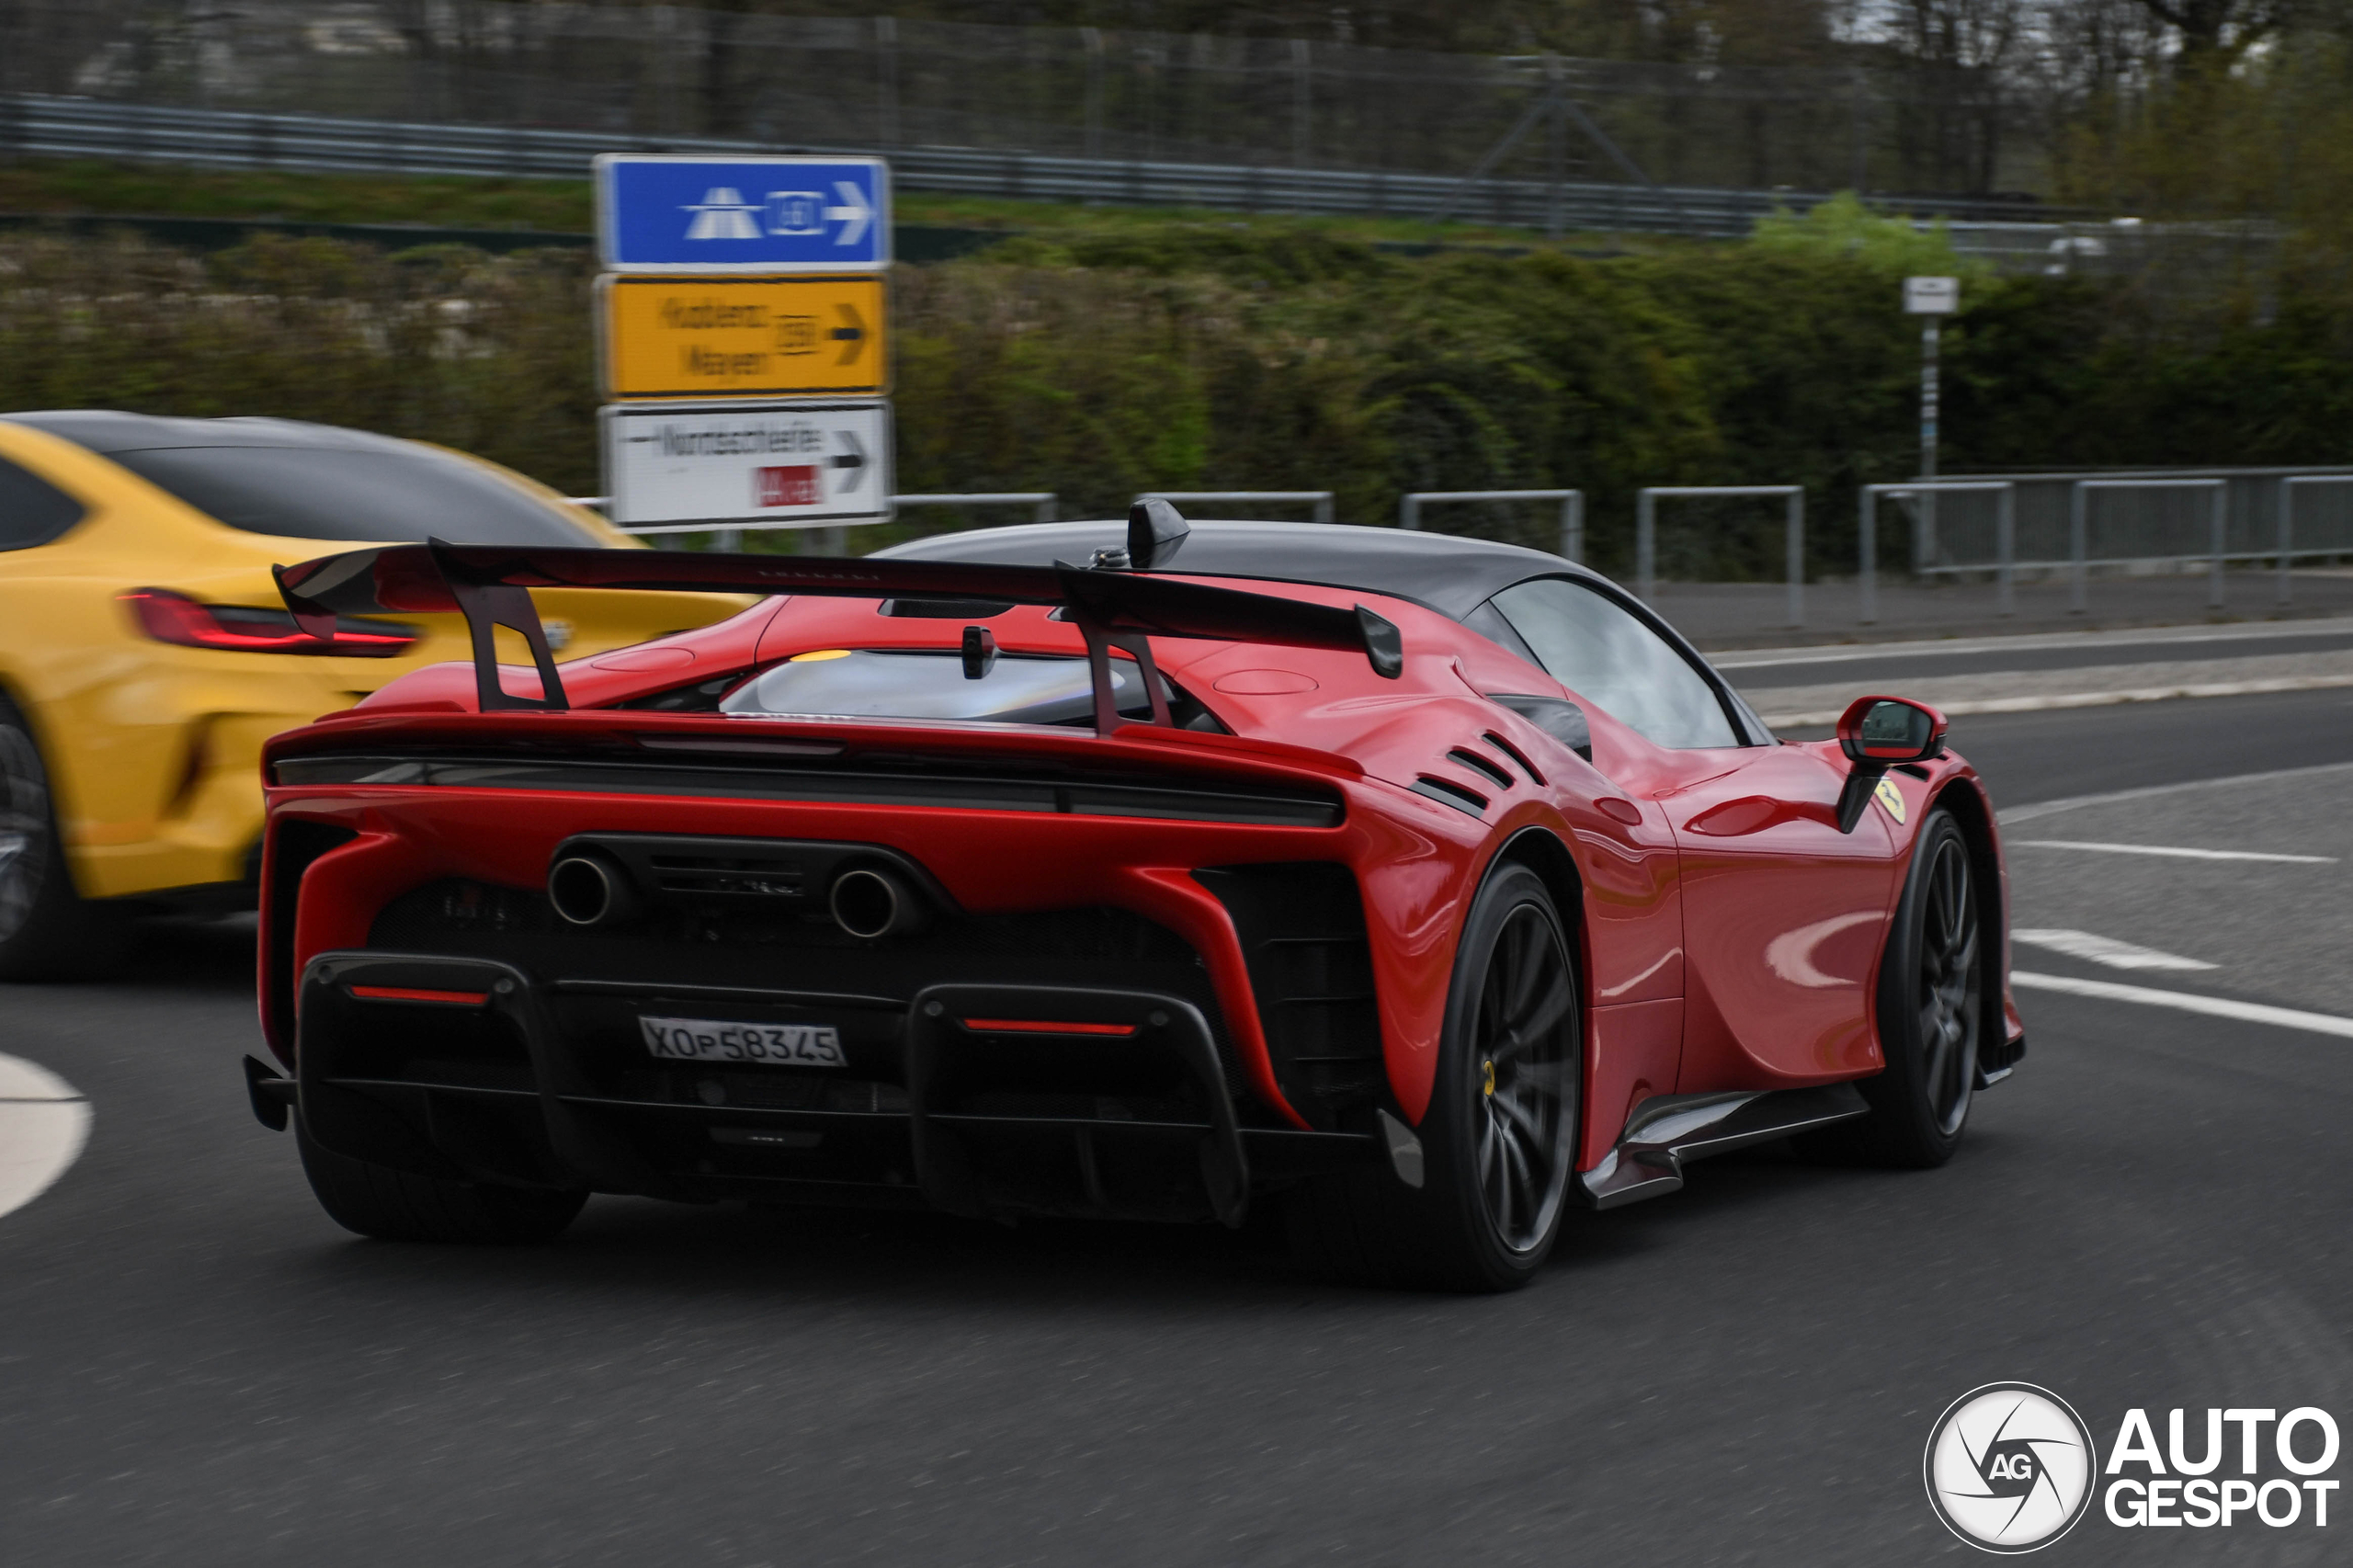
(741,328)
(1933,299)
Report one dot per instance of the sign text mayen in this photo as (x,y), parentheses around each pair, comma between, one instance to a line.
(744,337)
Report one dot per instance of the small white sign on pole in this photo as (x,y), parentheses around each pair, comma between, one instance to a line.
(748,463)
(1931,296)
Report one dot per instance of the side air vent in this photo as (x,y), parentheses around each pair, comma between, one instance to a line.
(1446,792)
(1302,933)
(1518,756)
(1482,767)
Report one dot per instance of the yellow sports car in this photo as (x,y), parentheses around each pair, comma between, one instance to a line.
(145,655)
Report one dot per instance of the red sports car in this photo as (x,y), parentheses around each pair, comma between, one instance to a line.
(1418,884)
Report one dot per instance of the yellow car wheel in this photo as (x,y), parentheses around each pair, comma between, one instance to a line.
(47,931)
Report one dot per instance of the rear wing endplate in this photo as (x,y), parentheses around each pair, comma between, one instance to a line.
(1112,608)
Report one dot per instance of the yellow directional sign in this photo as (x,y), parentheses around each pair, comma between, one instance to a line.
(742,336)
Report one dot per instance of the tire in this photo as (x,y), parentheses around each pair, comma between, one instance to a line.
(1499,1138)
(395,1206)
(46,930)
(1931,995)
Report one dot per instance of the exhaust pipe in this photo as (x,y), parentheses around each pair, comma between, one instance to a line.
(589,889)
(869,903)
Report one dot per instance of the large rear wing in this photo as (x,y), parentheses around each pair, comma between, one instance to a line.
(1111,607)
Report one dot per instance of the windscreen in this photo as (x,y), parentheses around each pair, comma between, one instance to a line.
(360,496)
(890,683)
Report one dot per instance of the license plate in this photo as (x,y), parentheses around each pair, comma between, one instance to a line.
(713,1039)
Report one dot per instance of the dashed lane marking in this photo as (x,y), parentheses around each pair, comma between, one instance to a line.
(2015,814)
(44,1124)
(2183,1001)
(2103,949)
(2175,851)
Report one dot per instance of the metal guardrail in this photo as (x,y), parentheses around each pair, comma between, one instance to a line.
(2288,552)
(2004,530)
(51,126)
(1042,505)
(2079,532)
(1409,510)
(1041,502)
(1318,499)
(1792,535)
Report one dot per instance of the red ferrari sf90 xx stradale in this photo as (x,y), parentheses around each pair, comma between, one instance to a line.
(1420,885)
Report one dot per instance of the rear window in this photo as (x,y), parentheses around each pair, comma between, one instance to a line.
(360,496)
(32,510)
(872,682)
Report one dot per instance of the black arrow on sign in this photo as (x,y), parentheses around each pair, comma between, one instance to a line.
(853,459)
(852,337)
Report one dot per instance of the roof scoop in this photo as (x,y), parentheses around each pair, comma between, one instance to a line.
(1157,531)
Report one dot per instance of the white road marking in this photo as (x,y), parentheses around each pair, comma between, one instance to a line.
(2018,814)
(2212,1006)
(2102,949)
(2088,699)
(45,1123)
(2175,851)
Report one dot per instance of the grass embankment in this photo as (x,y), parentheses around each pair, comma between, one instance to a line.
(1099,361)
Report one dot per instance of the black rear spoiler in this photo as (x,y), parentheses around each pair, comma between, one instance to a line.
(1110,608)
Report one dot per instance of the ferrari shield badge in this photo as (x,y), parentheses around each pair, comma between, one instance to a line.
(1889,796)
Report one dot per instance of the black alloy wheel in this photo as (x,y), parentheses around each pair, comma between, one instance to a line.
(47,932)
(1948,985)
(1498,1145)
(24,831)
(1930,1012)
(1521,1060)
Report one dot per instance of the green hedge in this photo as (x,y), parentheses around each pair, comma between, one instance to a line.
(1201,358)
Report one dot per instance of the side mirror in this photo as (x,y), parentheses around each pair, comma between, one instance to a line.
(1876,733)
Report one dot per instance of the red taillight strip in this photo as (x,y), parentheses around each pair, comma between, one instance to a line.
(1043,1026)
(168,617)
(409,994)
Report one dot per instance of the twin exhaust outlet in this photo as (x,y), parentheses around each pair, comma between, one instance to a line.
(593,890)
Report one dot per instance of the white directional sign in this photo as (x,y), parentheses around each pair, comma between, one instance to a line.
(748,464)
(1931,296)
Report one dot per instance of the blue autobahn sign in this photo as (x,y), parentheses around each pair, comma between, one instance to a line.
(681,214)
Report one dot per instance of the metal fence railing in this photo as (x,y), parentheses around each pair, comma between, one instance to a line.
(2289,549)
(88,128)
(1409,510)
(730,536)
(2005,495)
(1792,535)
(1319,501)
(1102,93)
(2076,525)
(2079,561)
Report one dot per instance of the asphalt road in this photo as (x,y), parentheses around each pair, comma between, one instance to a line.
(197,1368)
